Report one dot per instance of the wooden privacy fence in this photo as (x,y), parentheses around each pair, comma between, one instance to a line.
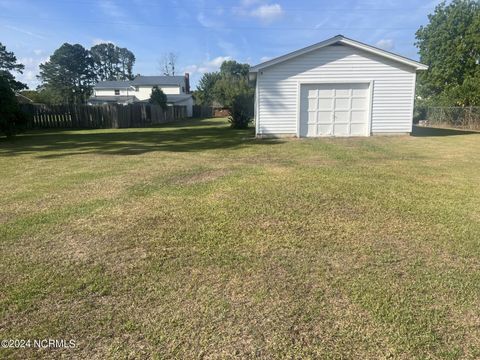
(100,116)
(200,111)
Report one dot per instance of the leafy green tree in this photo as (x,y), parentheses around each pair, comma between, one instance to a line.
(234,92)
(44,96)
(233,69)
(229,87)
(205,94)
(158,97)
(8,63)
(12,119)
(69,73)
(112,62)
(450,45)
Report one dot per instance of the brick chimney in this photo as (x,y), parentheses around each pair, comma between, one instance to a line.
(187,83)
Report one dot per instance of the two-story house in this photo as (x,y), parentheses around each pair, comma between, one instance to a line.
(177,89)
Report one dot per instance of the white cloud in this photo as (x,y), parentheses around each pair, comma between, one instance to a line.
(258,9)
(31,70)
(386,44)
(268,13)
(265,58)
(207,66)
(38,51)
(218,61)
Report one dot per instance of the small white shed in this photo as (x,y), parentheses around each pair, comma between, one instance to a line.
(338,87)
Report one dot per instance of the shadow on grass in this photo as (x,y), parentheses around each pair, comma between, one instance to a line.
(420,131)
(188,136)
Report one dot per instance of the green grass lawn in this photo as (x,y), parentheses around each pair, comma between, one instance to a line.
(198,241)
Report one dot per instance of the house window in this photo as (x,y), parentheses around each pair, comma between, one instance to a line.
(183,89)
(117,92)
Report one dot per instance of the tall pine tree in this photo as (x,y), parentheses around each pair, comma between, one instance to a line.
(8,63)
(69,72)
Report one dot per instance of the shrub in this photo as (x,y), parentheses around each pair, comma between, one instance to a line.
(12,119)
(241,110)
(158,97)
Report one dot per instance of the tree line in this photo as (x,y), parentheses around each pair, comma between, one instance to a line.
(71,71)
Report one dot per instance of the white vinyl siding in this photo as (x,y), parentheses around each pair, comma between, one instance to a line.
(111,92)
(393,88)
(143,92)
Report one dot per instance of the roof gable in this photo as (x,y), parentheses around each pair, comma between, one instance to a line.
(143,81)
(158,80)
(114,84)
(340,39)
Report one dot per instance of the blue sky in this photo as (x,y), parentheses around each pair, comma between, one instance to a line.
(204,33)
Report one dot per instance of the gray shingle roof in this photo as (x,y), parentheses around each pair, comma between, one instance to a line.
(113,99)
(171,98)
(113,84)
(142,81)
(158,80)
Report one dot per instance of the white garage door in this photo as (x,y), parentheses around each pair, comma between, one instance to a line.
(334,110)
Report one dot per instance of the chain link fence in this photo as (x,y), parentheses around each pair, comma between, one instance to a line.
(455,117)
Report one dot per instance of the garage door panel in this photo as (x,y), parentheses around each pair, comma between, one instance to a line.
(359,103)
(361,90)
(342,104)
(312,130)
(328,93)
(334,110)
(342,117)
(325,129)
(358,129)
(342,92)
(341,129)
(358,117)
(326,104)
(325,117)
(312,103)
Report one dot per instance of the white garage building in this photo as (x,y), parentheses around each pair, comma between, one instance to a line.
(338,87)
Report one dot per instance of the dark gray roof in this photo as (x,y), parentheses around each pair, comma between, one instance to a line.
(173,98)
(178,97)
(158,80)
(142,81)
(113,84)
(112,99)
